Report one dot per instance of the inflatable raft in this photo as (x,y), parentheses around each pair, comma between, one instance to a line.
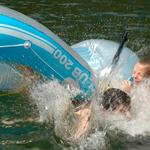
(23,41)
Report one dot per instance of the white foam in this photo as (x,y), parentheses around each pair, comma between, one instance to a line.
(53,102)
(94,141)
(54,106)
(140,121)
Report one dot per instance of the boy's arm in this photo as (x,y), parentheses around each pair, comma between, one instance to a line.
(84,116)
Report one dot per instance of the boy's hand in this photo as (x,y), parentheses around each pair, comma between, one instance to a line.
(126,86)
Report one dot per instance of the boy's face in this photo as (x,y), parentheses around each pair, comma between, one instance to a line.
(139,73)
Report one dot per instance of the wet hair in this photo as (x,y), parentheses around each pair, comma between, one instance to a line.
(146,63)
(113,97)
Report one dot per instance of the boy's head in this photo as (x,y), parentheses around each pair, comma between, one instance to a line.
(141,70)
(114,99)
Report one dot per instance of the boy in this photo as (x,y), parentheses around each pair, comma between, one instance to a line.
(141,71)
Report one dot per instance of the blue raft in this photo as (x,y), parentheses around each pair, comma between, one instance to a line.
(23,41)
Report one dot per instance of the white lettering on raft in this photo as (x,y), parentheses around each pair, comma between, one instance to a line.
(77,73)
(62,59)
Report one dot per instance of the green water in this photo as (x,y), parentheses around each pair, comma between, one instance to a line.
(17,130)
(73,21)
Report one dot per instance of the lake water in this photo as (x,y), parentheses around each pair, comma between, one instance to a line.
(75,21)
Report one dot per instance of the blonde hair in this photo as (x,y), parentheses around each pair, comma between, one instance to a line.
(146,62)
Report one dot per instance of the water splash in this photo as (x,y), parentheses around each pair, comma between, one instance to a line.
(94,141)
(139,124)
(140,109)
(136,129)
(54,106)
